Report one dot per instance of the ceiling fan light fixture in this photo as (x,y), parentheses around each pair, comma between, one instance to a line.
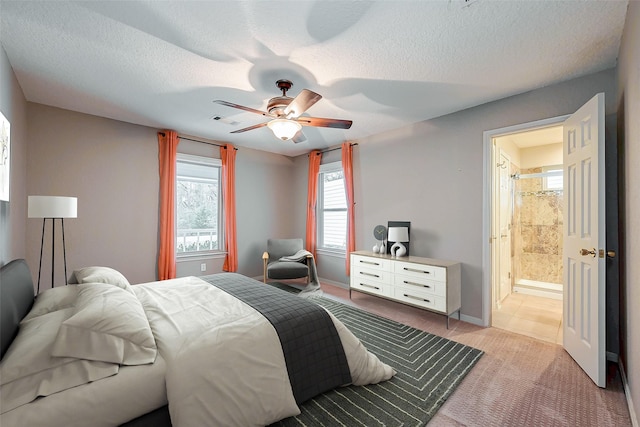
(283,128)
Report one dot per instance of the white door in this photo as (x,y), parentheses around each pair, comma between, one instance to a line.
(504,225)
(584,239)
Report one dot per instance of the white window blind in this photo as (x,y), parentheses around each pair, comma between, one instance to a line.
(332,208)
(553,182)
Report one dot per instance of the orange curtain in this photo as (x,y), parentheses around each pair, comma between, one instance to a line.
(167,149)
(347,167)
(312,197)
(228,156)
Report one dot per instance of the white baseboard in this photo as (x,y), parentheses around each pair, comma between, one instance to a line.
(537,292)
(471,319)
(627,393)
(463,317)
(334,283)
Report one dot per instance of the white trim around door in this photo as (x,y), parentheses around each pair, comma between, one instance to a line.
(487,196)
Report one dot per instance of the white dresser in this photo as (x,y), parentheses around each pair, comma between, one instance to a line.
(426,283)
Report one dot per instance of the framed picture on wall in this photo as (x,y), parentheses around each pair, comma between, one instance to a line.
(5,159)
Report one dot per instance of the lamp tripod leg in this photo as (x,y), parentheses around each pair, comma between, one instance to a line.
(53,249)
(41,246)
(64,251)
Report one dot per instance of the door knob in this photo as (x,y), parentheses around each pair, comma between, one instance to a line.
(591,252)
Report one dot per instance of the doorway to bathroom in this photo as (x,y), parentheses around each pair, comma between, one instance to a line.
(585,249)
(527,232)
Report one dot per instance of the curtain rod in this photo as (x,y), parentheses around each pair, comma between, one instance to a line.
(335,148)
(201,142)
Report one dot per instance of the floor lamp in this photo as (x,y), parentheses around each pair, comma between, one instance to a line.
(52,207)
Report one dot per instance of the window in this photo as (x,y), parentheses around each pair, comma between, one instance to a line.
(554,180)
(332,208)
(198,205)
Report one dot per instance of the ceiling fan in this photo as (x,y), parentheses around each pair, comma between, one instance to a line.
(286,112)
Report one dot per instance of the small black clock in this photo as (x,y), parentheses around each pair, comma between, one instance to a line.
(380,232)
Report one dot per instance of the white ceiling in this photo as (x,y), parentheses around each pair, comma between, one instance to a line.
(382,64)
(534,138)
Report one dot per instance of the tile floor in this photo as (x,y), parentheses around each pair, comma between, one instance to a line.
(532,316)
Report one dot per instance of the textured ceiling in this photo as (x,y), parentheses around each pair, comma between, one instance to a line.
(382,64)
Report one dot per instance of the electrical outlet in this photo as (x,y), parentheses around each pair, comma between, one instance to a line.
(203,267)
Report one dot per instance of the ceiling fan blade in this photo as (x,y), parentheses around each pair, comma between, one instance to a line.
(259,125)
(324,123)
(301,103)
(299,137)
(240,107)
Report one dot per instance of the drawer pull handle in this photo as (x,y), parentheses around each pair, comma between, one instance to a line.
(412,297)
(369,262)
(416,284)
(364,273)
(369,286)
(414,270)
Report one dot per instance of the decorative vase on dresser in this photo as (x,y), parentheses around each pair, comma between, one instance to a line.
(427,283)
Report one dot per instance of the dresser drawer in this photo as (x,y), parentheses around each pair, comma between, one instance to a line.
(362,273)
(371,263)
(420,270)
(371,286)
(420,284)
(420,299)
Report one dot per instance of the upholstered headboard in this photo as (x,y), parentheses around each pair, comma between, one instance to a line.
(16,299)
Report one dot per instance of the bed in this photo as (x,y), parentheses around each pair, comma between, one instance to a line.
(218,350)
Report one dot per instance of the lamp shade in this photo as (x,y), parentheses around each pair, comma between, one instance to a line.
(283,128)
(52,207)
(398,234)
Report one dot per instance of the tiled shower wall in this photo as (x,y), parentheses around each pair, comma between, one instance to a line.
(537,230)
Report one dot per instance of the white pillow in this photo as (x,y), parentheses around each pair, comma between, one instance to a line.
(102,275)
(53,300)
(28,370)
(109,325)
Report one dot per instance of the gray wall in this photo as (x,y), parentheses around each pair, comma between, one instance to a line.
(13,214)
(264,205)
(431,174)
(628,102)
(112,167)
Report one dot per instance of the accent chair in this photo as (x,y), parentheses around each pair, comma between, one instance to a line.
(276,269)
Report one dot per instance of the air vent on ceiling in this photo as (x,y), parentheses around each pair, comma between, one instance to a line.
(225,120)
